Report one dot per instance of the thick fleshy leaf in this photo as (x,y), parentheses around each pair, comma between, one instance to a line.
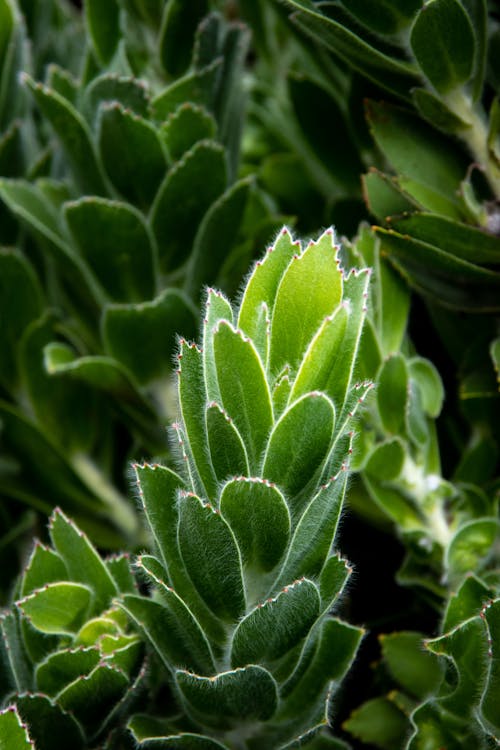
(148,357)
(310,290)
(227,450)
(299,443)
(277,625)
(419,672)
(442,40)
(74,135)
(178,209)
(92,697)
(385,461)
(466,602)
(378,721)
(58,607)
(392,393)
(243,388)
(131,152)
(214,562)
(259,518)
(103,22)
(217,308)
(44,566)
(198,87)
(177,34)
(82,560)
(114,240)
(391,74)
(20,303)
(186,126)
(62,667)
(13,732)
(41,715)
(171,629)
(232,698)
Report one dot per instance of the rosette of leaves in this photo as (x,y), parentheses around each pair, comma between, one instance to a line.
(129,204)
(71,666)
(244,576)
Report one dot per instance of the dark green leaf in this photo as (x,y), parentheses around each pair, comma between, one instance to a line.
(92,697)
(177,34)
(442,40)
(437,113)
(15,669)
(45,720)
(62,667)
(198,87)
(130,93)
(103,21)
(186,126)
(430,385)
(227,450)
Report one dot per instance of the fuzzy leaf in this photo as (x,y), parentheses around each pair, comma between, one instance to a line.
(81,559)
(227,450)
(114,240)
(92,697)
(299,443)
(131,153)
(231,698)
(13,733)
(185,127)
(466,602)
(42,716)
(62,667)
(243,388)
(471,546)
(44,566)
(129,92)
(73,134)
(259,518)
(310,290)
(442,40)
(213,563)
(58,607)
(217,308)
(147,357)
(277,625)
(178,209)
(15,669)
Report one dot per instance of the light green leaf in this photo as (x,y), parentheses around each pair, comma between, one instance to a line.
(13,732)
(378,722)
(44,566)
(392,393)
(471,546)
(442,40)
(418,671)
(57,607)
(227,450)
(386,460)
(277,625)
(259,518)
(214,562)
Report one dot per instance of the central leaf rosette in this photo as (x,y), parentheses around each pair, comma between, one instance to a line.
(245,576)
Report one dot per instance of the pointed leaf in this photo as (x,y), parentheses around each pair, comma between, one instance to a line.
(103,21)
(147,357)
(231,698)
(277,625)
(62,667)
(213,563)
(217,308)
(82,560)
(489,704)
(259,518)
(131,93)
(131,153)
(466,602)
(13,733)
(299,443)
(243,388)
(178,209)
(58,607)
(44,566)
(114,240)
(42,715)
(310,289)
(442,40)
(73,134)
(227,450)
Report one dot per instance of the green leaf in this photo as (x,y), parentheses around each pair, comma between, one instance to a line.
(387,17)
(13,733)
(62,667)
(495,356)
(114,240)
(171,629)
(430,168)
(227,450)
(44,566)
(147,357)
(20,303)
(436,113)
(385,461)
(380,723)
(259,518)
(442,40)
(217,234)
(417,671)
(313,275)
(466,602)
(178,209)
(384,197)
(214,562)
(243,388)
(177,34)
(15,669)
(232,698)
(74,135)
(471,546)
(58,607)
(91,698)
(103,22)
(186,126)
(41,715)
(198,87)
(389,73)
(277,625)
(131,153)
(429,383)
(489,704)
(264,280)
(82,560)
(181,741)
(392,394)
(299,443)
(217,308)
(110,88)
